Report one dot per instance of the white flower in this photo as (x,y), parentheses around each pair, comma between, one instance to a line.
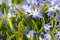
(52,2)
(40,38)
(46,27)
(29,1)
(31,33)
(58,33)
(26,8)
(47,36)
(59,38)
(35,13)
(9,15)
(50,9)
(56,7)
(32,2)
(28,35)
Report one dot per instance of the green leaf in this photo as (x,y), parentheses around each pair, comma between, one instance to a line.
(25,19)
(44,7)
(34,25)
(10,37)
(1,21)
(8,20)
(18,1)
(20,32)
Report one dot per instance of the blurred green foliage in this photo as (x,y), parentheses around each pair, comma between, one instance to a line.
(11,32)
